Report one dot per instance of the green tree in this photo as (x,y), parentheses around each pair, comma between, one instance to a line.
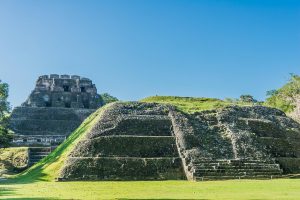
(247,98)
(5,134)
(286,98)
(107,98)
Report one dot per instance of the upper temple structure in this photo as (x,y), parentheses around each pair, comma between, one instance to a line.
(64,91)
(54,109)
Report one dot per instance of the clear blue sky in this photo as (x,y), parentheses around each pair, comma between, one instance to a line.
(134,49)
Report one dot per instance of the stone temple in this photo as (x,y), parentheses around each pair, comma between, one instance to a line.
(65,92)
(56,107)
(148,141)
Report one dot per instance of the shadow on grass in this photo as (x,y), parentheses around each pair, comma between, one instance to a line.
(6,192)
(35,198)
(10,193)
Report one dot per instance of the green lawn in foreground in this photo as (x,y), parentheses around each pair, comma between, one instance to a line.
(234,189)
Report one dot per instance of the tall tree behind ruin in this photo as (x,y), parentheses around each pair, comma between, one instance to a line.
(5,135)
(287,98)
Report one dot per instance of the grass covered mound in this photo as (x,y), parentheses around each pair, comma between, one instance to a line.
(192,104)
(48,168)
(13,160)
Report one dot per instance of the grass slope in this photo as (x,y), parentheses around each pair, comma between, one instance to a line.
(192,104)
(48,168)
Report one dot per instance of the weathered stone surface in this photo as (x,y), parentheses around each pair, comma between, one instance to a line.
(64,91)
(128,146)
(142,141)
(55,108)
(235,133)
(122,168)
(132,141)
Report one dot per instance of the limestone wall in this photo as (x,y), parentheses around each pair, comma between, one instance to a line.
(37,125)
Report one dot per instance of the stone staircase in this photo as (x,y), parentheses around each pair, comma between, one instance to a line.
(234,169)
(38,153)
(140,147)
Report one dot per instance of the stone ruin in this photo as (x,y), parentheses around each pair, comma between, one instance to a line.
(53,110)
(147,141)
(64,92)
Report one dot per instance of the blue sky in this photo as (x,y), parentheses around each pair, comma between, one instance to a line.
(133,49)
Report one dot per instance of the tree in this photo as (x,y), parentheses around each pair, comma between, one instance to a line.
(107,98)
(287,98)
(5,134)
(247,98)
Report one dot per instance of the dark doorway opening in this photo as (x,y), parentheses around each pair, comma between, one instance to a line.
(68,105)
(82,89)
(86,104)
(48,104)
(66,88)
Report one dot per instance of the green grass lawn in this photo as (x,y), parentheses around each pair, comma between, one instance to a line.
(234,189)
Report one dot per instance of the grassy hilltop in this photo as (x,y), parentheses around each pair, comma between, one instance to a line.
(193,104)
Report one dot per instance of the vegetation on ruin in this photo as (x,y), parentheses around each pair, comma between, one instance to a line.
(107,98)
(286,97)
(193,104)
(13,160)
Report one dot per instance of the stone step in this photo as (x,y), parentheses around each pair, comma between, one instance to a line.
(56,126)
(207,178)
(34,160)
(149,125)
(233,162)
(236,170)
(39,149)
(39,153)
(246,166)
(49,113)
(129,146)
(38,157)
(123,168)
(236,173)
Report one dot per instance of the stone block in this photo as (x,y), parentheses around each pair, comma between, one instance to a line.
(65,76)
(128,146)
(54,76)
(122,169)
(75,77)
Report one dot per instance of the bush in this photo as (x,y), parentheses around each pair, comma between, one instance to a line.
(286,97)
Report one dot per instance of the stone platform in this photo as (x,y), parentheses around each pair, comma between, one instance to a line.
(135,146)
(40,126)
(148,141)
